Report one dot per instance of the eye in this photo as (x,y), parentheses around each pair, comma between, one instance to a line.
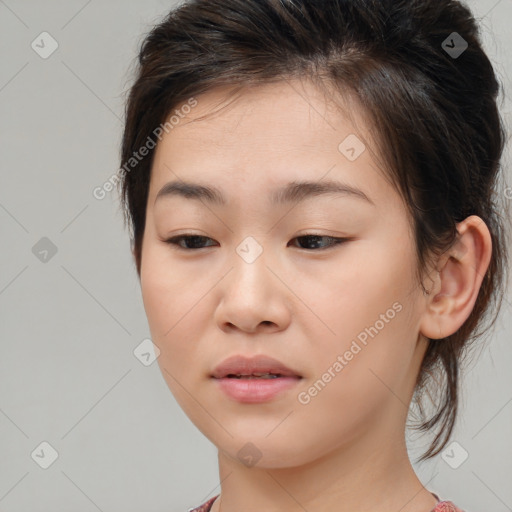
(195,240)
(312,242)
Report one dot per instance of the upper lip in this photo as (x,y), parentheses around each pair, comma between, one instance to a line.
(242,365)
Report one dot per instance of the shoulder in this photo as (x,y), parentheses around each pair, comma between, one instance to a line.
(446,506)
(206,506)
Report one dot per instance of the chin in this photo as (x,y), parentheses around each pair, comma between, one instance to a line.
(264,453)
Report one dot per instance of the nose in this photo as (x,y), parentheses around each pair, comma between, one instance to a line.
(253,298)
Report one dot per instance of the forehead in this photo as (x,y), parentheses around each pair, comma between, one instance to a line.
(266,136)
(297,111)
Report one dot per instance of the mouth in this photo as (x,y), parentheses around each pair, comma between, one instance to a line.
(256,367)
(255,376)
(254,380)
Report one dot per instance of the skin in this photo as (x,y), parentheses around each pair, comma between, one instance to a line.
(344,450)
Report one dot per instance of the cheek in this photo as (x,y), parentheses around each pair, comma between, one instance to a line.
(172,308)
(172,304)
(370,318)
(168,291)
(366,385)
(350,293)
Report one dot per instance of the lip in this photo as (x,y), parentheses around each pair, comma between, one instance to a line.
(241,365)
(253,390)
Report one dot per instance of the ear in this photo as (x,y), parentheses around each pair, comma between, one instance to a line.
(461,271)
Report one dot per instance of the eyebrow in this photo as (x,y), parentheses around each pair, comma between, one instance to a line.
(294,191)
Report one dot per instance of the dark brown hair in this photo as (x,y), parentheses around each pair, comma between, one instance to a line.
(434,114)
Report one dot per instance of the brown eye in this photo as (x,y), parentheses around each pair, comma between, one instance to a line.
(307,242)
(315,241)
(192,242)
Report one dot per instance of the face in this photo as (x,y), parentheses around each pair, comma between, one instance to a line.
(323,282)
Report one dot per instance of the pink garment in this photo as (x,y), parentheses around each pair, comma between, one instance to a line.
(442,506)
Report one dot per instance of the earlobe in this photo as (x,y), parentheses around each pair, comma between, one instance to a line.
(460,275)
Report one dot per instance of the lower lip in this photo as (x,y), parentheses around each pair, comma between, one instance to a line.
(255,390)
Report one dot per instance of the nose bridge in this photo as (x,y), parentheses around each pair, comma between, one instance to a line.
(250,261)
(250,250)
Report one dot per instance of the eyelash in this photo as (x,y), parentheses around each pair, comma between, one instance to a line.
(174,241)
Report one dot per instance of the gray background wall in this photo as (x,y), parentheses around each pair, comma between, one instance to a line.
(69,325)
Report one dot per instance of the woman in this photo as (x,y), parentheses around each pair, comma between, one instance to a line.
(314,228)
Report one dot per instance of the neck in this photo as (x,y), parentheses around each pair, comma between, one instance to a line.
(371,476)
